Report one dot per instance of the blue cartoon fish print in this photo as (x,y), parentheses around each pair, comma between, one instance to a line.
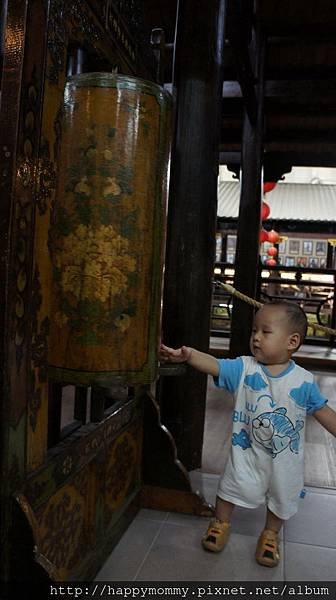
(241,439)
(276,432)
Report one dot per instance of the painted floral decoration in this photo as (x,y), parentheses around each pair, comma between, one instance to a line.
(93,238)
(94,263)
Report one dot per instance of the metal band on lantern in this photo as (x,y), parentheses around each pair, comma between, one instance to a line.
(107,231)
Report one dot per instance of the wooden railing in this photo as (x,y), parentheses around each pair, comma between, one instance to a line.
(313,289)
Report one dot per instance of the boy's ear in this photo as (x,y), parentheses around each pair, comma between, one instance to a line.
(294,341)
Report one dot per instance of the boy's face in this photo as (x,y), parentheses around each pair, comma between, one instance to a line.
(271,340)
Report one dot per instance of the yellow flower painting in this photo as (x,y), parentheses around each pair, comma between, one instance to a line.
(93,241)
(94,263)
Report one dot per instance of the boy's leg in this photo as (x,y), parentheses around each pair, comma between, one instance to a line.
(223,510)
(267,552)
(218,531)
(273,522)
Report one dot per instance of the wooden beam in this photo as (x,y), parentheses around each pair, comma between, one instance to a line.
(310,136)
(299,17)
(239,14)
(298,159)
(307,147)
(320,154)
(229,158)
(192,214)
(247,253)
(306,159)
(310,92)
(284,128)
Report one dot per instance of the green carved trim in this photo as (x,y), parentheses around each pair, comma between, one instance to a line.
(145,375)
(159,228)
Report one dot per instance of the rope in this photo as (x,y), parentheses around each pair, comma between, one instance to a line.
(229,288)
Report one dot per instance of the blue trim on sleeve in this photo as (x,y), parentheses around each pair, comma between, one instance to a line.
(315,400)
(230,372)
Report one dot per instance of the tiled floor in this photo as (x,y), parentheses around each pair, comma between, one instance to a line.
(160,546)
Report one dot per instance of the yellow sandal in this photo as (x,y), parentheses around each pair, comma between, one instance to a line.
(216,535)
(267,552)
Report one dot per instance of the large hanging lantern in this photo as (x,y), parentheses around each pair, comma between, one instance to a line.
(272,251)
(107,231)
(263,236)
(273,236)
(268,186)
(265,211)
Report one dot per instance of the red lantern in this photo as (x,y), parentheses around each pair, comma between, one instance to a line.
(263,236)
(265,211)
(271,262)
(269,186)
(272,251)
(273,236)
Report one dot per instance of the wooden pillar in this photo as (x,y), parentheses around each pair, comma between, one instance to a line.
(247,252)
(192,213)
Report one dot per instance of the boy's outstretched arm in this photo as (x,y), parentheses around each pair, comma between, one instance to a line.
(199,360)
(327,417)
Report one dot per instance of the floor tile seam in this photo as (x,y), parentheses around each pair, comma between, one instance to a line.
(138,571)
(307,544)
(188,524)
(206,520)
(151,520)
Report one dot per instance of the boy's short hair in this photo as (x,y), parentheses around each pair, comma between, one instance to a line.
(297,318)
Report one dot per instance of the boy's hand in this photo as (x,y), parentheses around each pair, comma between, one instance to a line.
(198,360)
(179,355)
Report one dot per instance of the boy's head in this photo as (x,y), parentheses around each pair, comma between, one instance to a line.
(278,331)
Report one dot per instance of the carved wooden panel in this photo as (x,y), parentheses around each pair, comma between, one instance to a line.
(61,485)
(77,498)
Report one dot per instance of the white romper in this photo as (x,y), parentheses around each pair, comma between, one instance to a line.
(266,462)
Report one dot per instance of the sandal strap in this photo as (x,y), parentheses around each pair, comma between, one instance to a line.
(269,535)
(269,543)
(218,526)
(216,535)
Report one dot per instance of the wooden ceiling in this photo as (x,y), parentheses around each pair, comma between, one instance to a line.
(299,75)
